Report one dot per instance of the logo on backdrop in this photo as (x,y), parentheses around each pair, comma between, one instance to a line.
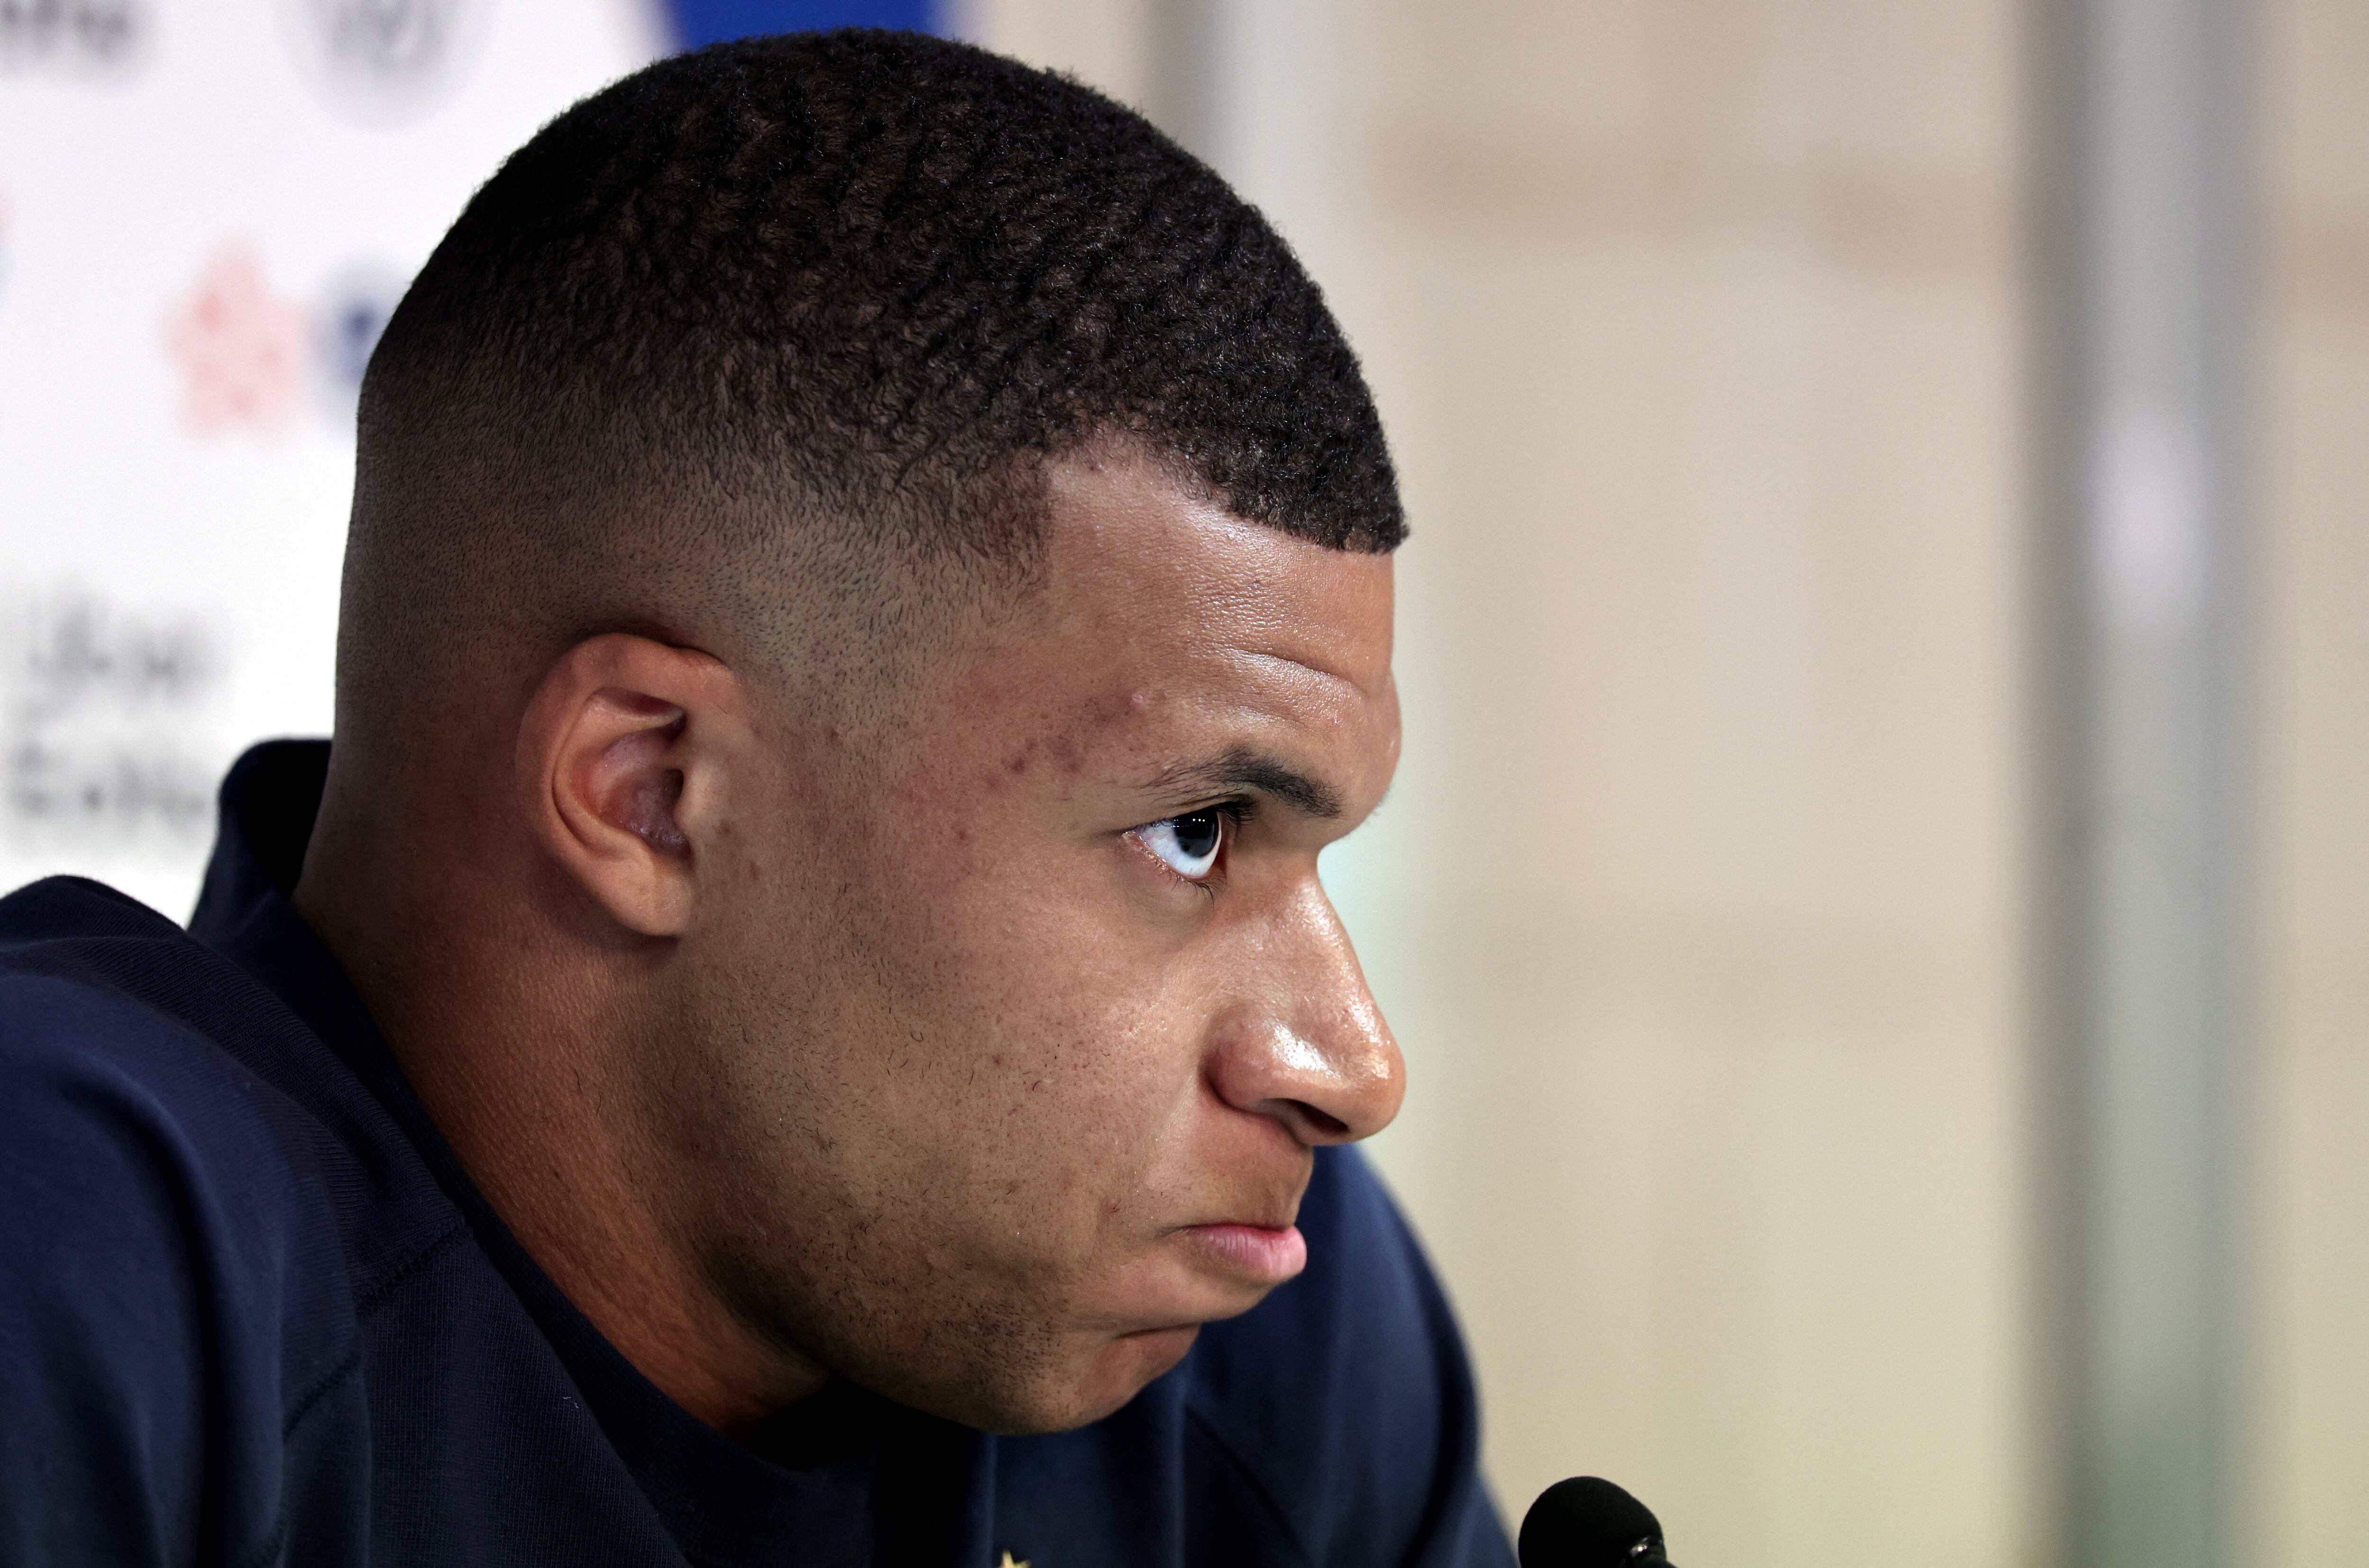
(351,314)
(385,60)
(248,354)
(240,346)
(72,37)
(98,708)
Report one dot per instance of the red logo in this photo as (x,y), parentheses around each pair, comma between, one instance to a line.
(241,349)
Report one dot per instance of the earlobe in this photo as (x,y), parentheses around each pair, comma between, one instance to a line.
(617,750)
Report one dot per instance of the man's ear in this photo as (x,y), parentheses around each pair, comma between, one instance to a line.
(622,756)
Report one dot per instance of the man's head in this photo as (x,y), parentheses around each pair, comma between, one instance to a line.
(868,589)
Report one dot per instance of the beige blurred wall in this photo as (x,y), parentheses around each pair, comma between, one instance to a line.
(2313,1300)
(1694,326)
(1699,902)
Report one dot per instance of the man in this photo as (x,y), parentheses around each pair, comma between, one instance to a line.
(797,1023)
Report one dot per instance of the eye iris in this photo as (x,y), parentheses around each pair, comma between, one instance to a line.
(1198,835)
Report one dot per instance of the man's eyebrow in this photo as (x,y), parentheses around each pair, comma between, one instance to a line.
(1244,768)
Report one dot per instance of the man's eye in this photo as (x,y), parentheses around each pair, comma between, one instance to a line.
(1187,845)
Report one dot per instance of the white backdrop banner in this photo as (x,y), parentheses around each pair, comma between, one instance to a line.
(207,210)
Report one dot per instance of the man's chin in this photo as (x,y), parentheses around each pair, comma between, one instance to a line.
(1150,1353)
(1116,1370)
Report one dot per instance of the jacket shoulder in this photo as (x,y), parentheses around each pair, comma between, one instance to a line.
(176,1289)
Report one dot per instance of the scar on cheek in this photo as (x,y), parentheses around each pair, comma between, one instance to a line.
(649,813)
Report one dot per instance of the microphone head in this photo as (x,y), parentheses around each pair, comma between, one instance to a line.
(1587,1523)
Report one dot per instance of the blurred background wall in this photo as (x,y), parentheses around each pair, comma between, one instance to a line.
(1704,904)
(2311,1290)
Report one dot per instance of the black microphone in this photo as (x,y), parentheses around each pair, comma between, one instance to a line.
(1587,1523)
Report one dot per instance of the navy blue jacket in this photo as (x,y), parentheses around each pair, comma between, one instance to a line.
(252,1311)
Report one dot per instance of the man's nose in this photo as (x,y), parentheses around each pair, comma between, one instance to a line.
(1308,1047)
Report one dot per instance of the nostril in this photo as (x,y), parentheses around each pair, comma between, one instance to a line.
(1329,1125)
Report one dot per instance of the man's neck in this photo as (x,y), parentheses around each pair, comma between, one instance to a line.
(513,1036)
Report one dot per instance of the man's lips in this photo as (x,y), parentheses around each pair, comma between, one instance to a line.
(1264,1255)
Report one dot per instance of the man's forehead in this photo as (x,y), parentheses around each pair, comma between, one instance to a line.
(1163,634)
(1128,549)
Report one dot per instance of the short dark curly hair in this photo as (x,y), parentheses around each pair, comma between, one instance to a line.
(877,258)
(767,349)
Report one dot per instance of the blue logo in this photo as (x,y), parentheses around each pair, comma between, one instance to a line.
(698,22)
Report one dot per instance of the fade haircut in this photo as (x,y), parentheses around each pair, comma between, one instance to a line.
(807,316)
